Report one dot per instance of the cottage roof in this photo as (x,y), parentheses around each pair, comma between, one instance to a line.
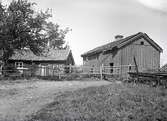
(52,55)
(122,42)
(163,68)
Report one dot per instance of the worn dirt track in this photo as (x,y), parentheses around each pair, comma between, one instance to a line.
(18,101)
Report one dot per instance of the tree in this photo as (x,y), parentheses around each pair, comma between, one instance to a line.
(22,27)
(55,35)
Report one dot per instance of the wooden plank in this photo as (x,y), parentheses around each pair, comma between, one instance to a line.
(137,71)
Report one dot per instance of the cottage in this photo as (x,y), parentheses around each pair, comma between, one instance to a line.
(122,52)
(45,64)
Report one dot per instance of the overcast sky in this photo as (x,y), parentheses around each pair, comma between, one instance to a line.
(96,22)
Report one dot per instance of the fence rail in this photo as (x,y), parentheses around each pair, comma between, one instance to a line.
(63,70)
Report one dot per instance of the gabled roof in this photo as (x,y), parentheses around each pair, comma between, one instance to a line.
(122,43)
(163,68)
(52,55)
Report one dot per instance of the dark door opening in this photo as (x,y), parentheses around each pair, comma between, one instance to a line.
(111,67)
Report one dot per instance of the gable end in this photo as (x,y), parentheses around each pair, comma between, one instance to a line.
(144,36)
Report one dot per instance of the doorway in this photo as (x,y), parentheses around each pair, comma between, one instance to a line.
(111,67)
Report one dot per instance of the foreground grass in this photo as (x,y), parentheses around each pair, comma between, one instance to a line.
(116,102)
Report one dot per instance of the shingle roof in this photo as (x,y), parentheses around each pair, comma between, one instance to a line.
(120,43)
(163,68)
(52,55)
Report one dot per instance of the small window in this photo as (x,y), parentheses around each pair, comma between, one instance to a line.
(142,43)
(19,64)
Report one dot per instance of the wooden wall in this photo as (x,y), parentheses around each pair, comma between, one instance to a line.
(147,57)
(70,59)
(91,63)
(41,68)
(111,58)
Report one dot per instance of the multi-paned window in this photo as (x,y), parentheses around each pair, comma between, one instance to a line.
(19,64)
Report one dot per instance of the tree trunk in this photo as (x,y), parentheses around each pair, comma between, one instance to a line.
(4,63)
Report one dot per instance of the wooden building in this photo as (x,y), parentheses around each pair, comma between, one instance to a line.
(122,52)
(44,65)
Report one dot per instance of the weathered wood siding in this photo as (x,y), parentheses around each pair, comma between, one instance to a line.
(70,60)
(147,57)
(42,68)
(91,64)
(111,58)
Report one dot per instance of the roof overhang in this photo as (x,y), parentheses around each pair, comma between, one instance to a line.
(125,42)
(90,54)
(146,37)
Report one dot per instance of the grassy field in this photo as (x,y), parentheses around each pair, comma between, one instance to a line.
(19,99)
(115,102)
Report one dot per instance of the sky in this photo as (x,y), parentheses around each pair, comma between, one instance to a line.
(96,22)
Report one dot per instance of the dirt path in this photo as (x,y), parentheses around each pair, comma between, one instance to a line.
(20,100)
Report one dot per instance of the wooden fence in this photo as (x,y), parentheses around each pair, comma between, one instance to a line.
(63,70)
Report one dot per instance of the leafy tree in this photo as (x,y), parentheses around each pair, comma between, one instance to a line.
(55,35)
(22,27)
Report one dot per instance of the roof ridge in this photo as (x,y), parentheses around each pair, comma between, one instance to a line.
(110,43)
(53,54)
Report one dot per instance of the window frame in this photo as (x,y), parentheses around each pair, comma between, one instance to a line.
(19,64)
(111,68)
(142,43)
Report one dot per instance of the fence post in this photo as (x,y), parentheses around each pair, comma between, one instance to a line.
(136,67)
(70,69)
(58,75)
(101,72)
(0,69)
(59,72)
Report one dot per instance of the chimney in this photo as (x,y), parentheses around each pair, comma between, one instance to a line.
(119,37)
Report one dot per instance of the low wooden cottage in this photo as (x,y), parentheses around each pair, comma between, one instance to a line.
(45,65)
(122,52)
